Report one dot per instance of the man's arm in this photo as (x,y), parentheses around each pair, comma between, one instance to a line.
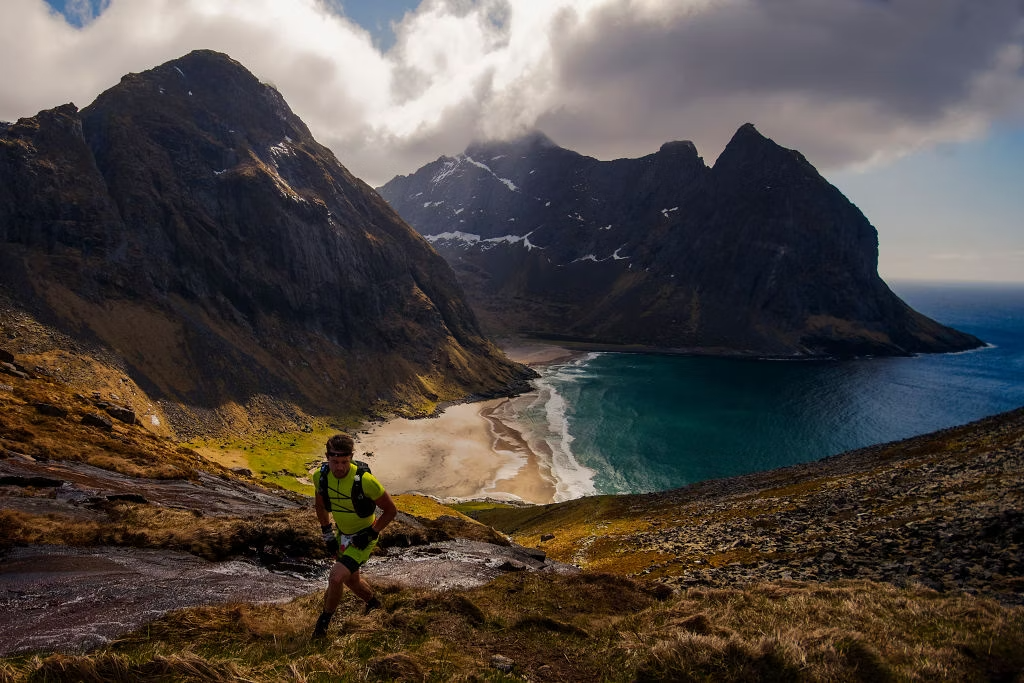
(388,512)
(321,512)
(326,528)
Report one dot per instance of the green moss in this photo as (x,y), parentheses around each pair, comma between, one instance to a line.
(470,508)
(280,458)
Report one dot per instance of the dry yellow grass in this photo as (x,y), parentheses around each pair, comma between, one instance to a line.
(588,627)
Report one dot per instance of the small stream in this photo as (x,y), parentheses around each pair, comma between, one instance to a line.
(60,598)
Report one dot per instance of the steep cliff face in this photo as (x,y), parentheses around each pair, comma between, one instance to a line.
(189,222)
(758,255)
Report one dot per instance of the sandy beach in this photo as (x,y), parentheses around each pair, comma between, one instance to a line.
(468,451)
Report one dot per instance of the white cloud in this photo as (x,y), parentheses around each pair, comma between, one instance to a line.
(956,256)
(846,82)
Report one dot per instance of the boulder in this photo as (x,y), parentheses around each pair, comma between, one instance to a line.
(51,410)
(97,420)
(126,415)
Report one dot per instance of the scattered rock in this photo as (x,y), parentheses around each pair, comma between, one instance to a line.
(502,663)
(10,369)
(883,513)
(546,537)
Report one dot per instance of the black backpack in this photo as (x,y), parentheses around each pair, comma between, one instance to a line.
(361,503)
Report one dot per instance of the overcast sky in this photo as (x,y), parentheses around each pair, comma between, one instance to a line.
(914,108)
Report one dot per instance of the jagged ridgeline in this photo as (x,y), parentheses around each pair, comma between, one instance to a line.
(757,255)
(187,228)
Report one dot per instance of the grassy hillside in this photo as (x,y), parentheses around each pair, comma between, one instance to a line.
(897,562)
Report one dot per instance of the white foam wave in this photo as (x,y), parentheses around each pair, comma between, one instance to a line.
(541,417)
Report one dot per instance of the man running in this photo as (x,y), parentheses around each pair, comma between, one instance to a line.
(356,535)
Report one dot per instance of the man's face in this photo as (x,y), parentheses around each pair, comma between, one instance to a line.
(339,463)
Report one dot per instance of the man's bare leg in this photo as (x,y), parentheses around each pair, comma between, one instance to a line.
(340,575)
(358,586)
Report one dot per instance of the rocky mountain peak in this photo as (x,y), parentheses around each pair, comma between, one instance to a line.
(758,255)
(190,200)
(531,142)
(752,155)
(683,148)
(205,93)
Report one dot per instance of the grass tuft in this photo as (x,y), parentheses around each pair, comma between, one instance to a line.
(114,668)
(395,667)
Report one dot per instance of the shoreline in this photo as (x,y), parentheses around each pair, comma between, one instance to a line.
(468,452)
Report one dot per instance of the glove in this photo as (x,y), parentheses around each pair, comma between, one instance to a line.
(361,539)
(330,540)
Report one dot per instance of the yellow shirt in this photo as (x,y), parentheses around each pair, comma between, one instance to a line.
(340,493)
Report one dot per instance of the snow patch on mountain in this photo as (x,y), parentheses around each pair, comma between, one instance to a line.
(504,181)
(593,257)
(469,239)
(448,167)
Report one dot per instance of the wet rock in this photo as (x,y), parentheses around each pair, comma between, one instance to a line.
(37,482)
(127,498)
(535,553)
(93,595)
(84,483)
(458,563)
(511,566)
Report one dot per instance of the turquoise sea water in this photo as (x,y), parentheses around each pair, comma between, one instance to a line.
(632,423)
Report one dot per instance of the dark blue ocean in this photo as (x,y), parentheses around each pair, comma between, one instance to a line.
(618,423)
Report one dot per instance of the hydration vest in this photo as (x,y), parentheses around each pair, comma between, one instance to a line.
(361,503)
